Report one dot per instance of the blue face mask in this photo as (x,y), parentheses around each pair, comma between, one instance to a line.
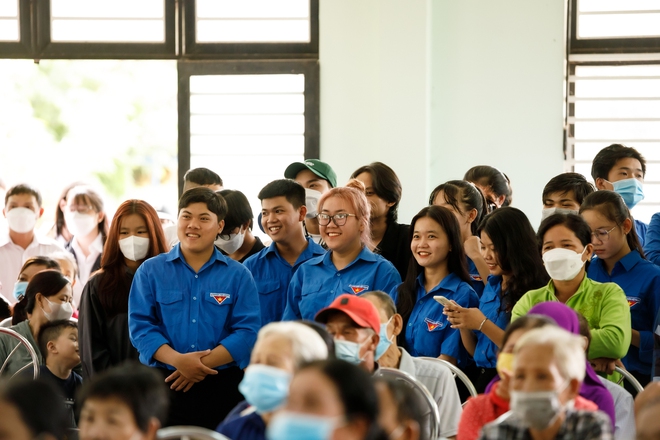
(19,290)
(384,342)
(292,426)
(348,351)
(265,387)
(632,191)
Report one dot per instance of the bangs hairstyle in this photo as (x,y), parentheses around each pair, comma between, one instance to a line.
(386,184)
(567,182)
(48,262)
(492,178)
(354,196)
(59,214)
(517,253)
(138,387)
(306,344)
(287,188)
(239,211)
(214,202)
(611,206)
(457,192)
(567,349)
(456,260)
(608,157)
(48,283)
(113,286)
(573,222)
(86,196)
(23,188)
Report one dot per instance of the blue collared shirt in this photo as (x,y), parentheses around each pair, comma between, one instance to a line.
(243,423)
(317,282)
(428,332)
(641,228)
(272,274)
(640,281)
(477,282)
(191,311)
(490,304)
(652,240)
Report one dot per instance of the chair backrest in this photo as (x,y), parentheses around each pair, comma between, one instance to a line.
(625,375)
(6,323)
(21,342)
(457,374)
(188,433)
(433,415)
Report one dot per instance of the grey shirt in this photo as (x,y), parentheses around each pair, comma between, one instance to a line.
(624,410)
(21,356)
(440,382)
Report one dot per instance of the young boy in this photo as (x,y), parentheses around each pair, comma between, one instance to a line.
(194,314)
(564,193)
(123,403)
(282,212)
(22,210)
(58,342)
(622,170)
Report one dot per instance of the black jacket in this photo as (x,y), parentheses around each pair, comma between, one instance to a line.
(395,247)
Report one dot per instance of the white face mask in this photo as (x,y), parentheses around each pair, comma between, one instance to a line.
(547,212)
(233,244)
(21,220)
(134,248)
(563,264)
(58,311)
(312,202)
(538,409)
(80,224)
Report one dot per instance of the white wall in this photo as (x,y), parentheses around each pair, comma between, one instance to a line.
(433,87)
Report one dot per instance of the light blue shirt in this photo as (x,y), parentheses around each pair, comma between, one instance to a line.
(191,311)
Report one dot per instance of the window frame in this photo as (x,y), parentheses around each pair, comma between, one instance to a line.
(24,47)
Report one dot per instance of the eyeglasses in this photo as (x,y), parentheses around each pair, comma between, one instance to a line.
(83,209)
(339,219)
(602,234)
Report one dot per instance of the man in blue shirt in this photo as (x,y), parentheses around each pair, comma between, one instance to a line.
(622,169)
(194,314)
(282,212)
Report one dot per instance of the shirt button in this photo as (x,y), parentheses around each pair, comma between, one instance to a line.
(337,274)
(192,346)
(194,298)
(410,324)
(196,276)
(194,320)
(421,301)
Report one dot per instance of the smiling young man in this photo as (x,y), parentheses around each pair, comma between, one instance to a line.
(194,314)
(22,210)
(282,212)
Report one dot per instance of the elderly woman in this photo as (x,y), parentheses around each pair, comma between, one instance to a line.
(281,348)
(548,370)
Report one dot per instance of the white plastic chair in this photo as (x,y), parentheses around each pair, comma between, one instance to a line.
(24,342)
(457,373)
(625,375)
(6,323)
(422,391)
(188,433)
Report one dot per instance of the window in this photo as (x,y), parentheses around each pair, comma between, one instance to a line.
(9,24)
(614,87)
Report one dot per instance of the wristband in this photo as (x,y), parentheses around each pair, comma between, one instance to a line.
(482,323)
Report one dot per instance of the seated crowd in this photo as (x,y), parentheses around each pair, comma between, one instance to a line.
(346,324)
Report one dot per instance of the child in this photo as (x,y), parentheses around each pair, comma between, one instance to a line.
(126,402)
(58,342)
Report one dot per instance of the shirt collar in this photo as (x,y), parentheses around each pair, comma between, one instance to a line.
(36,239)
(406,363)
(365,254)
(581,288)
(630,260)
(215,256)
(450,282)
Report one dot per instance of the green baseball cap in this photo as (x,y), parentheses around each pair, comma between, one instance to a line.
(321,169)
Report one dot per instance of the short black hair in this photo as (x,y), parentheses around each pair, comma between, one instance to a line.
(491,177)
(40,404)
(608,157)
(51,331)
(137,386)
(214,202)
(571,221)
(565,182)
(288,188)
(386,184)
(239,211)
(202,176)
(23,188)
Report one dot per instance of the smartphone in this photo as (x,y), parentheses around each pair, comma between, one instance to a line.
(442,300)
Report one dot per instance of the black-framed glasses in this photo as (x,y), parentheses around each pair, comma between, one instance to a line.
(339,219)
(602,234)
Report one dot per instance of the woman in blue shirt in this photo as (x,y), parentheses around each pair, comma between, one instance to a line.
(619,258)
(349,266)
(437,268)
(468,204)
(509,246)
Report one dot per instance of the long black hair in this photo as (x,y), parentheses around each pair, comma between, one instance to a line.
(48,283)
(462,191)
(492,178)
(456,260)
(611,205)
(515,245)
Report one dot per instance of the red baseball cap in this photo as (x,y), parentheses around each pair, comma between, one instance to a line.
(360,310)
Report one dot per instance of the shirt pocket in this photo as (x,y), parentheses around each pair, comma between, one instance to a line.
(268,287)
(171,307)
(217,307)
(313,298)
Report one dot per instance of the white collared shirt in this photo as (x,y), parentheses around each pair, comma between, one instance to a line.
(85,264)
(12,257)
